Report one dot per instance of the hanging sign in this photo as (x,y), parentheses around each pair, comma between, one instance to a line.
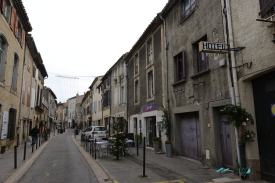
(5,125)
(209,47)
(272,106)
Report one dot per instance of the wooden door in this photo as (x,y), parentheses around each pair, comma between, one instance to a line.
(225,135)
(264,101)
(190,135)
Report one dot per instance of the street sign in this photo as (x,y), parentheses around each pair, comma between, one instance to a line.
(209,47)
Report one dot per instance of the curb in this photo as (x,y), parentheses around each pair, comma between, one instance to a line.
(18,174)
(101,175)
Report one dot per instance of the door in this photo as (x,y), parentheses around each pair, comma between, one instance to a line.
(151,130)
(264,100)
(225,134)
(190,135)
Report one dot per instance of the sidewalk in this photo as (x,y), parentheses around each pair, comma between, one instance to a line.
(189,170)
(7,160)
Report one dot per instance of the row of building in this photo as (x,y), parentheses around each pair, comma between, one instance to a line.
(194,58)
(24,100)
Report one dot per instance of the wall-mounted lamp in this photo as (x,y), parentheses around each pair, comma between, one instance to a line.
(273,38)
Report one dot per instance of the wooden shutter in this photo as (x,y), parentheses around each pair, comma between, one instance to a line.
(265,6)
(16,27)
(13,19)
(183,66)
(3,6)
(23,38)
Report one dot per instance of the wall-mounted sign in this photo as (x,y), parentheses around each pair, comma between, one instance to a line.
(149,107)
(209,47)
(5,125)
(160,126)
(272,106)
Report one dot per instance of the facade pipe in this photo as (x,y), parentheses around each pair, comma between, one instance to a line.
(166,64)
(234,89)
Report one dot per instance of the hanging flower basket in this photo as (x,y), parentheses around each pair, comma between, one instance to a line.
(237,115)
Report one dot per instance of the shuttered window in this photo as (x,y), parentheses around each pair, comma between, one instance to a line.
(179,66)
(11,124)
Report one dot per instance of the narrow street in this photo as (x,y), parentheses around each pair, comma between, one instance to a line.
(60,161)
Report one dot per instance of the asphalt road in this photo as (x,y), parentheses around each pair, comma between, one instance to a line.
(60,161)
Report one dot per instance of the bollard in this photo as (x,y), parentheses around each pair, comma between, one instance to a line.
(95,148)
(17,140)
(90,147)
(137,146)
(25,146)
(144,158)
(15,157)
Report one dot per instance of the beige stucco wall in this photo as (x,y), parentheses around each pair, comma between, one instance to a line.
(10,99)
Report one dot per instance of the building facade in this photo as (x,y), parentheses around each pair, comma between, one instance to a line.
(96,109)
(145,82)
(118,91)
(253,28)
(14,24)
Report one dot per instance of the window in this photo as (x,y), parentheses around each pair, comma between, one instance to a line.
(15,73)
(149,52)
(11,124)
(179,66)
(3,56)
(150,85)
(33,71)
(201,58)
(6,9)
(136,63)
(136,92)
(188,6)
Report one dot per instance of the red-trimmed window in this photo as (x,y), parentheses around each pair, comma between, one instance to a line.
(179,66)
(201,58)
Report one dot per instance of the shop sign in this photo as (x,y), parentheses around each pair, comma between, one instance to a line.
(272,106)
(209,47)
(5,125)
(149,107)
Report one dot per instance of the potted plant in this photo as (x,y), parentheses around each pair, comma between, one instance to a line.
(167,125)
(155,141)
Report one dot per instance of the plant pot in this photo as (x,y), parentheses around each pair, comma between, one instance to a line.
(169,148)
(156,146)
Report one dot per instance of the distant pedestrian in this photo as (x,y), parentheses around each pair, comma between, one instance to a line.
(58,129)
(34,134)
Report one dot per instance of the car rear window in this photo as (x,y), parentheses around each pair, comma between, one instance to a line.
(100,129)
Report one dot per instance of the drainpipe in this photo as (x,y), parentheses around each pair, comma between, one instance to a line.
(127,116)
(20,101)
(234,90)
(166,65)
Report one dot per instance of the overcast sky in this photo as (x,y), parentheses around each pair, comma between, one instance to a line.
(79,40)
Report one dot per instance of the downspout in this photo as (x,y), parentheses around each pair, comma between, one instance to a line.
(127,116)
(166,66)
(234,90)
(20,101)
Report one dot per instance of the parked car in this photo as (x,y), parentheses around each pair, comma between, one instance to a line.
(95,132)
